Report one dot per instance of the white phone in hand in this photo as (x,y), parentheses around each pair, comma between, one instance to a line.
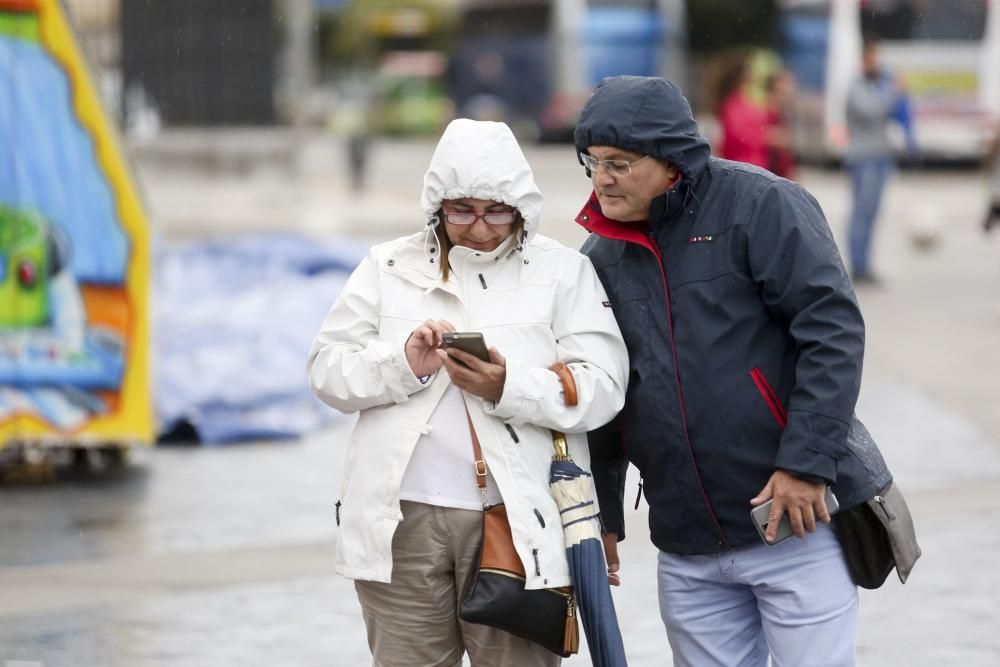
(760,515)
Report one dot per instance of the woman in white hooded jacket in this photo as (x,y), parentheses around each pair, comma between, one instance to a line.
(410,511)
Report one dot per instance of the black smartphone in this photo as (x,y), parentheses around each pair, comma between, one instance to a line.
(468,341)
(760,514)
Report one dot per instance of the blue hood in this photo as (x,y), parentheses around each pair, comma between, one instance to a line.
(646,115)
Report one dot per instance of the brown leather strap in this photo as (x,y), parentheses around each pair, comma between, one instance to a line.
(477,455)
(569,394)
(568,381)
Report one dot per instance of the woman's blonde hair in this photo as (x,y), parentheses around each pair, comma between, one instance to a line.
(445,244)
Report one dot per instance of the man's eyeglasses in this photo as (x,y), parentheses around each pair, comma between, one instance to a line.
(617,168)
(490,217)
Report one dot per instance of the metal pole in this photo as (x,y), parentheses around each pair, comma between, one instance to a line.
(301,18)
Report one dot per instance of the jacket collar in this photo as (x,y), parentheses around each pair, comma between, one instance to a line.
(410,261)
(468,256)
(592,219)
(663,207)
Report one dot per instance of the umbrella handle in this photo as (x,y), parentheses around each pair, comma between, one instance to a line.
(560,445)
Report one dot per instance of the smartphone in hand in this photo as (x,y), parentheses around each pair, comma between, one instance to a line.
(467,341)
(760,514)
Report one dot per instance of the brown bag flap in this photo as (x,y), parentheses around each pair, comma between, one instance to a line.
(498,544)
(892,511)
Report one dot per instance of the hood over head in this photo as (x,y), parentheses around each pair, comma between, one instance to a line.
(481,159)
(647,115)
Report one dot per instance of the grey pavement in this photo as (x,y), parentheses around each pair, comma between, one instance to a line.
(223,556)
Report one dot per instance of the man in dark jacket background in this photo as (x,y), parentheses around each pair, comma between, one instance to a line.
(745,343)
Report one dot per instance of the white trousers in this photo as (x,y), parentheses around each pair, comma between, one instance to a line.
(794,600)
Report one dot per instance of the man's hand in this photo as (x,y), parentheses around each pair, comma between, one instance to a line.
(804,501)
(470,373)
(421,347)
(611,554)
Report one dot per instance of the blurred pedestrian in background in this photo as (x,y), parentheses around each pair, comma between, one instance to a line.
(742,121)
(780,89)
(875,101)
(411,513)
(356,118)
(993,165)
(745,351)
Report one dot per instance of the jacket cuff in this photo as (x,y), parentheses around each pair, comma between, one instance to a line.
(399,377)
(512,400)
(609,480)
(811,446)
(812,479)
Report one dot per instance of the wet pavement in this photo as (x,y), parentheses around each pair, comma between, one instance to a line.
(223,556)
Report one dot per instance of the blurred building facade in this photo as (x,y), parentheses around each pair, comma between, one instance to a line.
(201,62)
(219,62)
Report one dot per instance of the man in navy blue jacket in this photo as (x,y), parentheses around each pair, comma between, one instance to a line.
(745,343)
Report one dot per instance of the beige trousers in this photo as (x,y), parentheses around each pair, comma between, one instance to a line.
(413,621)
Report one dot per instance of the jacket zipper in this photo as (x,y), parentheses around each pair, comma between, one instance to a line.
(646,240)
(771,398)
(880,501)
(651,245)
(336,509)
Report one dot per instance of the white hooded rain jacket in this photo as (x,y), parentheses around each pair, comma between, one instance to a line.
(533,299)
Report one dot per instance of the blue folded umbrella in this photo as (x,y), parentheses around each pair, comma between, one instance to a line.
(570,486)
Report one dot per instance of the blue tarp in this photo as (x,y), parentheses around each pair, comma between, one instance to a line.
(233,323)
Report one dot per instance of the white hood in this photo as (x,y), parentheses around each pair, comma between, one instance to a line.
(481,159)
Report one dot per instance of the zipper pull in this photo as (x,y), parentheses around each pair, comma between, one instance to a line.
(336,509)
(512,432)
(638,496)
(880,501)
(571,631)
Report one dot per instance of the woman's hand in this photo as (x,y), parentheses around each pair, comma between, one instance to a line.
(421,347)
(472,374)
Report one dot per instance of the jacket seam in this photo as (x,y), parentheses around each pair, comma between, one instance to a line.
(820,414)
(680,396)
(683,283)
(638,109)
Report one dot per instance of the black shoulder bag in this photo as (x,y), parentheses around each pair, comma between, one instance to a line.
(495,594)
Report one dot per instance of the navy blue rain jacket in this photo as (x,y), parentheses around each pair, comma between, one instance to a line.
(744,335)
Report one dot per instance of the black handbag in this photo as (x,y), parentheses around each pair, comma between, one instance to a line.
(494,592)
(877,536)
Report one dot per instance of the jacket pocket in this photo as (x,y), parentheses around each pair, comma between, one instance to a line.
(770,398)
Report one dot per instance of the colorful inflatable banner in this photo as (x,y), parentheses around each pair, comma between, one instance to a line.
(74,248)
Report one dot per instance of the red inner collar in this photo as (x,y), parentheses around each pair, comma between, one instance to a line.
(592,219)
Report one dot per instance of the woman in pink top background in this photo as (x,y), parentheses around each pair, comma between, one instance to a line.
(743,122)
